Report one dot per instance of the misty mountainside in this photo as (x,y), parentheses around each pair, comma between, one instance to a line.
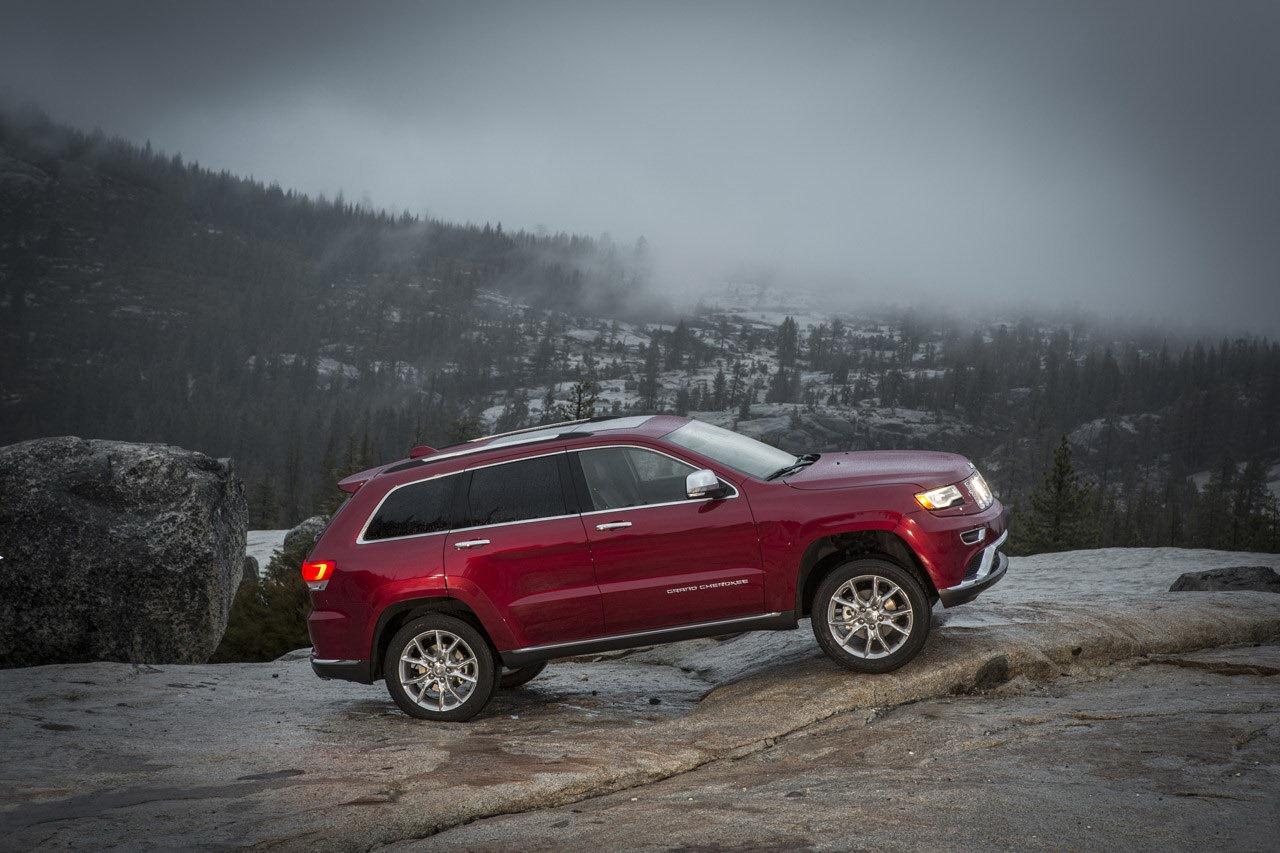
(148,299)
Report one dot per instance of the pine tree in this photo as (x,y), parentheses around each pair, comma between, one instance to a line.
(1217,507)
(788,342)
(269,616)
(551,411)
(677,347)
(292,506)
(1059,518)
(582,399)
(649,386)
(514,413)
(1254,510)
(464,428)
(781,386)
(264,507)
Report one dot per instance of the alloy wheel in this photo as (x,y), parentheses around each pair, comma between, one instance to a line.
(870,616)
(438,670)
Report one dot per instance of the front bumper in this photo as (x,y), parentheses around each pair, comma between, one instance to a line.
(991,567)
(343,670)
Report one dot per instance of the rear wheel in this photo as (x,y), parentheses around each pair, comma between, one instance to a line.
(516,676)
(440,668)
(870,615)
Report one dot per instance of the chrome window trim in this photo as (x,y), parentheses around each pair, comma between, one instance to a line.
(664,503)
(360,540)
(609,637)
(513,523)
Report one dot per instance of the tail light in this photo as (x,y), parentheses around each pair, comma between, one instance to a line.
(316,573)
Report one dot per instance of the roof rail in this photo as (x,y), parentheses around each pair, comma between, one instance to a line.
(595,419)
(553,432)
(529,429)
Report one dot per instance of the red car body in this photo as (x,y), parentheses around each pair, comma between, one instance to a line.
(590,580)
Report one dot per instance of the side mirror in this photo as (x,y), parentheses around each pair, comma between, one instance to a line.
(704,483)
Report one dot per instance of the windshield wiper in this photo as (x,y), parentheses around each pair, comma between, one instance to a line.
(801,462)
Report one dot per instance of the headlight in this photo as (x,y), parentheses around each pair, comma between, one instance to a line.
(942,498)
(980,490)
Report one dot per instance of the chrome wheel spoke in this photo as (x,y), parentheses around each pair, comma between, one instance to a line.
(866,616)
(433,678)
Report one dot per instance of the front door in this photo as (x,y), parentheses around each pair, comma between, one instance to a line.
(522,548)
(663,560)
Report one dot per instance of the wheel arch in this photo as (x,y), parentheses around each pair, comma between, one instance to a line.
(395,616)
(825,553)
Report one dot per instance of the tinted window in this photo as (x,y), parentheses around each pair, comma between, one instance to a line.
(414,509)
(619,477)
(516,491)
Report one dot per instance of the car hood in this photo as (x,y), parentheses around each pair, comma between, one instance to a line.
(924,468)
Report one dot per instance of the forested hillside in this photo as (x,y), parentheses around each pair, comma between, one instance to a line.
(149,299)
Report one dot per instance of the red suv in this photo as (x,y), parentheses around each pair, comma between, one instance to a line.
(456,571)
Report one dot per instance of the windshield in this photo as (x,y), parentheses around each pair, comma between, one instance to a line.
(738,452)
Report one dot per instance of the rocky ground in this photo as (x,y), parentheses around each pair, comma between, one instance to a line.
(1032,712)
(1158,754)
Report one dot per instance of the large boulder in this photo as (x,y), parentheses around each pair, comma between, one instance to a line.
(304,535)
(116,551)
(1259,578)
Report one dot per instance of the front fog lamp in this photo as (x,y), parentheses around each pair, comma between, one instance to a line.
(947,496)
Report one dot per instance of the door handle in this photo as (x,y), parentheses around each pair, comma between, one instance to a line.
(613,525)
(471,543)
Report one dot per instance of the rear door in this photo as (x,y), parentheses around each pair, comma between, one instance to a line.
(522,546)
(663,560)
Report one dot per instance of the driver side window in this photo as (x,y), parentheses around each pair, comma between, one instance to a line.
(619,477)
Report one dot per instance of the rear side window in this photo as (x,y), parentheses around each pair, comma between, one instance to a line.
(618,477)
(515,491)
(413,510)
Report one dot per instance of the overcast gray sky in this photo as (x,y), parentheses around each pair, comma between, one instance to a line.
(1119,156)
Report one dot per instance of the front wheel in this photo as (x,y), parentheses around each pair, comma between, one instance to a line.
(439,668)
(870,615)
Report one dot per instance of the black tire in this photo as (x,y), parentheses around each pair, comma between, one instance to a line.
(917,623)
(512,678)
(483,669)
